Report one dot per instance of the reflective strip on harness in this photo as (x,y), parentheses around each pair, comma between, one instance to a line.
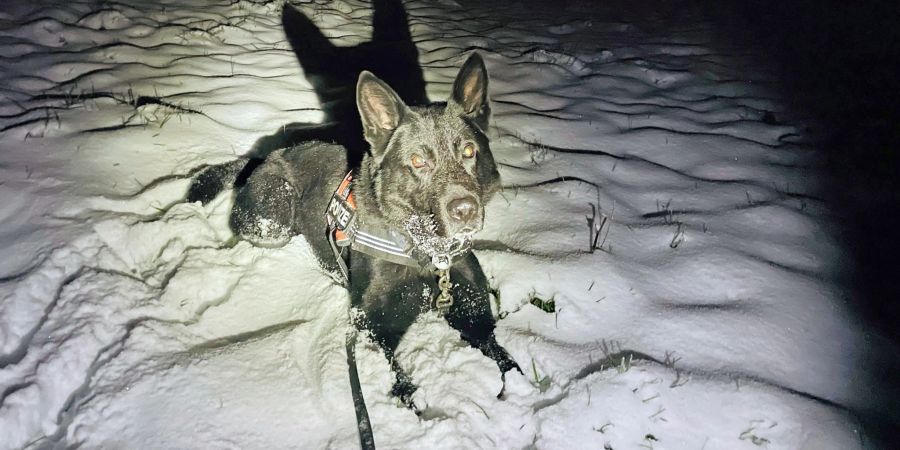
(381,244)
(343,231)
(388,246)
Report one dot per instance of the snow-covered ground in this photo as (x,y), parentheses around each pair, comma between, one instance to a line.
(707,318)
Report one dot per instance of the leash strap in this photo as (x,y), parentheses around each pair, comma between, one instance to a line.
(363,424)
(339,257)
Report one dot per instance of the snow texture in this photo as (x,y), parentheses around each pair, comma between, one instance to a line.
(704,315)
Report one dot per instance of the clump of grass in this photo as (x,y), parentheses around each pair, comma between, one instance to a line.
(542,383)
(154,110)
(612,351)
(678,238)
(598,225)
(666,212)
(538,153)
(625,363)
(669,361)
(649,439)
(548,306)
(750,433)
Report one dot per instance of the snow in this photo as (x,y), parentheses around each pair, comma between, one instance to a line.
(710,315)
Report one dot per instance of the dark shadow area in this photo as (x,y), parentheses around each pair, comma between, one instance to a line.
(333,71)
(837,65)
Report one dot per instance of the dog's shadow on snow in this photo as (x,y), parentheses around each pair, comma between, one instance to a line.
(333,72)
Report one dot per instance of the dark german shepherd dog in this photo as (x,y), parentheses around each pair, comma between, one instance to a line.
(398,227)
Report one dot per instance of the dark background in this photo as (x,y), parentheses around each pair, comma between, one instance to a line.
(837,62)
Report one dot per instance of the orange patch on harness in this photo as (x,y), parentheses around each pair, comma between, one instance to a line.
(345,193)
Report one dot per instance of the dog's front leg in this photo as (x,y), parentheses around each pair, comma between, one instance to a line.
(472,317)
(471,312)
(390,308)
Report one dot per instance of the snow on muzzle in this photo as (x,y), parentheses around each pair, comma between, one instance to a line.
(441,250)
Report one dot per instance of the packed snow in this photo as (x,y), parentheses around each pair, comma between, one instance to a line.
(676,228)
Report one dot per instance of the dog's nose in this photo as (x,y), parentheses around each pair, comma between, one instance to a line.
(463,209)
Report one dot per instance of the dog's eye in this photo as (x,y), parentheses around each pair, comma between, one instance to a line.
(468,150)
(418,161)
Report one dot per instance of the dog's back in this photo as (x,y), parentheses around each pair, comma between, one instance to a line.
(287,195)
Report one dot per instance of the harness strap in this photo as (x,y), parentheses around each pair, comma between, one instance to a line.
(388,246)
(344,232)
(339,257)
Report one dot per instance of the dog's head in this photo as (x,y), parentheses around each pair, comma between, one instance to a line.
(433,160)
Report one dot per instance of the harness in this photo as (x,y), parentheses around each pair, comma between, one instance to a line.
(346,233)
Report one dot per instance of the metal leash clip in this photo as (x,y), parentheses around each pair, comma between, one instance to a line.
(441,261)
(459,246)
(444,300)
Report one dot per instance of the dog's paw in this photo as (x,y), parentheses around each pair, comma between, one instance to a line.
(499,354)
(403,390)
(506,364)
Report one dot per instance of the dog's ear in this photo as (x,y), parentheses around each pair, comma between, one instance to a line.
(380,109)
(470,92)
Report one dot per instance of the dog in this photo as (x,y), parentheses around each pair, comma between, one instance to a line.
(399,227)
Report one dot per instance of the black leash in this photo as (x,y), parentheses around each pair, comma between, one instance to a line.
(363,425)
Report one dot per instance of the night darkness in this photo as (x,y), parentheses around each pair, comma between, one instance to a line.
(838,63)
